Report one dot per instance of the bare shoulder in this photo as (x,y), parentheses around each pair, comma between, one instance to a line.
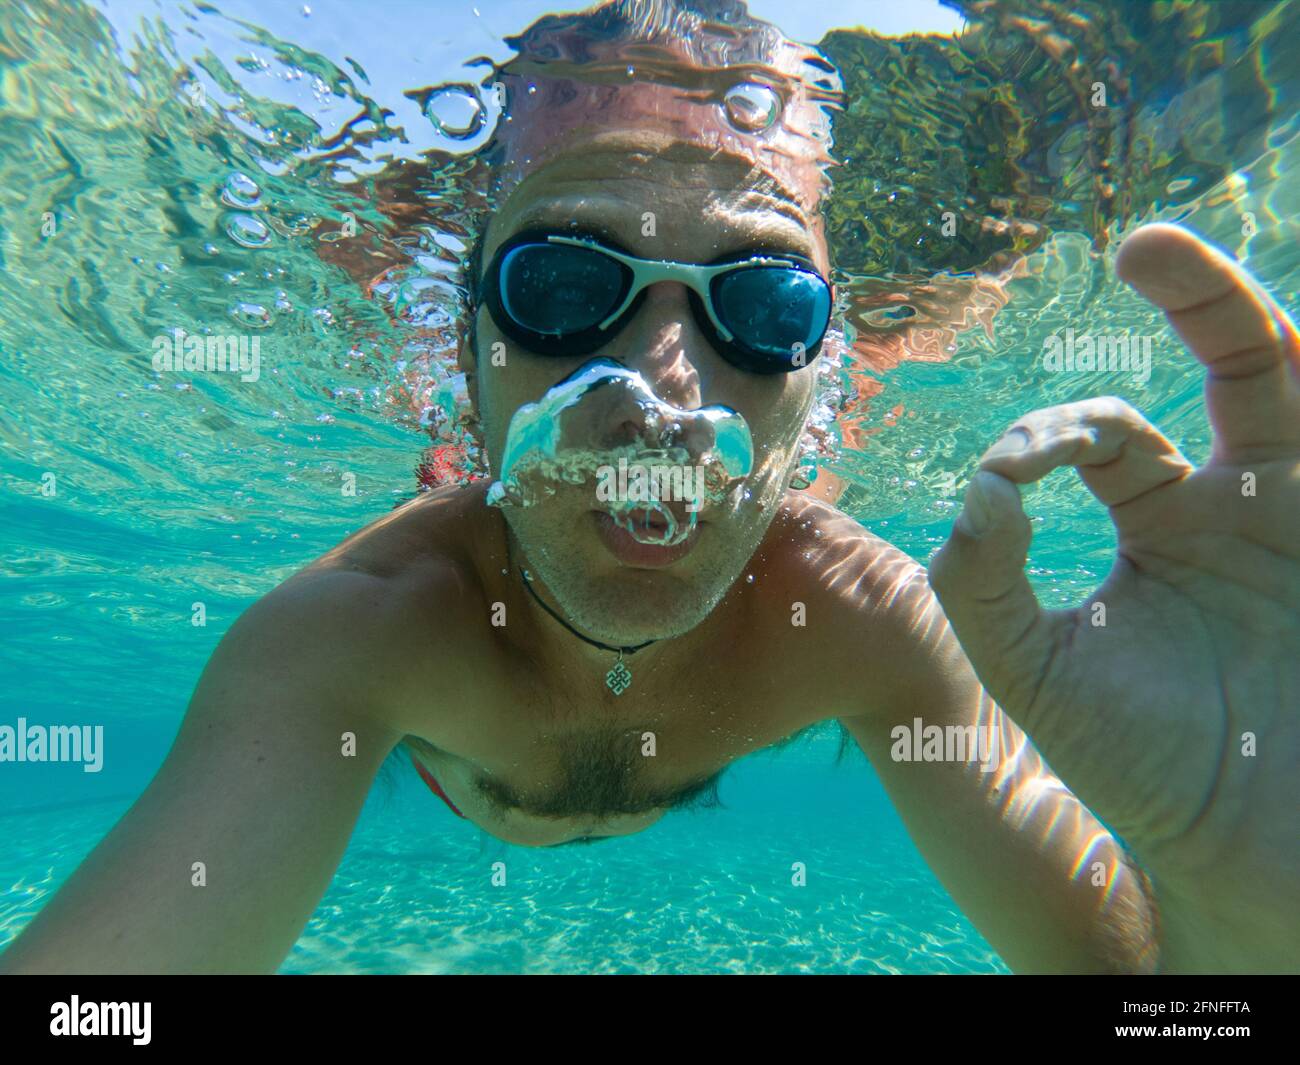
(428,536)
(383,605)
(867,601)
(851,570)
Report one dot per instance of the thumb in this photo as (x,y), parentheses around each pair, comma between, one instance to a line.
(979,577)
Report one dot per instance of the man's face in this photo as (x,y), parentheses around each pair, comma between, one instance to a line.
(701,208)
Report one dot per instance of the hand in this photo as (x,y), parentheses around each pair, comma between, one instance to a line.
(1170,701)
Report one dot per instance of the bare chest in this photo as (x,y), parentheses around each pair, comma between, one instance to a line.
(540,767)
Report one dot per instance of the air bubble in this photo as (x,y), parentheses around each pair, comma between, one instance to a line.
(253,315)
(247,231)
(240,190)
(455,111)
(751,106)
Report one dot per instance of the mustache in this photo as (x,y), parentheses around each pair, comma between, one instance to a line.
(604,415)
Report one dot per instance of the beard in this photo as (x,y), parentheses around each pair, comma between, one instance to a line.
(624,605)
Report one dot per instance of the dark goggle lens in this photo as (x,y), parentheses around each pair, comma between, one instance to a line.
(557,289)
(774,311)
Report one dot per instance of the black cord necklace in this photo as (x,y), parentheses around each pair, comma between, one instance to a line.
(618,679)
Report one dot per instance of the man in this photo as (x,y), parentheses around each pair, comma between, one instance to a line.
(395,634)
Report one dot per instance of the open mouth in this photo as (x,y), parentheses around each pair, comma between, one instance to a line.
(651,521)
(658,523)
(646,537)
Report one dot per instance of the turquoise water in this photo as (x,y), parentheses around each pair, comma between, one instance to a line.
(183,165)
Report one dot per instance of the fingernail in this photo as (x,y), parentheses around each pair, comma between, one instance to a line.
(977,514)
(1013,443)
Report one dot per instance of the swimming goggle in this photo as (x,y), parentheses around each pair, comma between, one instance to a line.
(565,295)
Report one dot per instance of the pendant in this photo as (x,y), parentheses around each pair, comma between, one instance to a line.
(618,679)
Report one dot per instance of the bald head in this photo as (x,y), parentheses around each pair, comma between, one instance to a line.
(666,80)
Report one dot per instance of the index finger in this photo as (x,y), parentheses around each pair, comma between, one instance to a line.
(1247,343)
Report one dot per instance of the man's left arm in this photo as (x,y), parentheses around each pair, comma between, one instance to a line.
(1041,878)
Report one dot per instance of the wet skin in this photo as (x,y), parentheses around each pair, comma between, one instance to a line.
(390,635)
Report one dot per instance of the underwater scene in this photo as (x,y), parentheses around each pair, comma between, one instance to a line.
(275,274)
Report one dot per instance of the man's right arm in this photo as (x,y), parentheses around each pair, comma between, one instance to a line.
(258,788)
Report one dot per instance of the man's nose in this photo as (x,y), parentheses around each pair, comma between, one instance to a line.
(664,345)
(620,416)
(619,411)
